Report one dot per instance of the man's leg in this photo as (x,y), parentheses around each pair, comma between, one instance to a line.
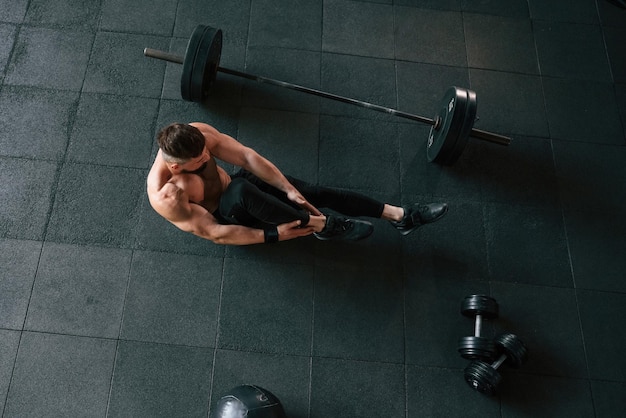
(405,219)
(244,203)
(251,202)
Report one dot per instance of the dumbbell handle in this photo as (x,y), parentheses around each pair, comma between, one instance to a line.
(499,361)
(476,133)
(478,325)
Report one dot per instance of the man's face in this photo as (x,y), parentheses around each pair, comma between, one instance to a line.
(194,164)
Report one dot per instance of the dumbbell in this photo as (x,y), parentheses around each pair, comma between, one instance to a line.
(484,377)
(477,347)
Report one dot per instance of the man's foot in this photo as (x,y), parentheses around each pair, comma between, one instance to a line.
(346,229)
(418,215)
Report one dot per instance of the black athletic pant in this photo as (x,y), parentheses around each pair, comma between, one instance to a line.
(250,201)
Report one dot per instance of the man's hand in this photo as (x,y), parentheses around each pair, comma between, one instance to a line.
(296,197)
(292,230)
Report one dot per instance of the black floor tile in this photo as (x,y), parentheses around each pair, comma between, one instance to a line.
(433,321)
(179,305)
(544,396)
(266,307)
(509,103)
(532,161)
(22,109)
(573,51)
(596,243)
(421,87)
(546,319)
(338,386)
(19,260)
(430,36)
(9,341)
(224,117)
(127,143)
(286,24)
(499,43)
(13,11)
(424,398)
(358,28)
(232,17)
(609,398)
(289,140)
(452,248)
(160,380)
(581,11)
(79,291)
(422,178)
(617,52)
(83,213)
(8,35)
(575,107)
(287,65)
(49,58)
(514,8)
(431,4)
(352,155)
(370,80)
(286,377)
(74,14)
(527,245)
(591,177)
(369,303)
(114,67)
(611,14)
(602,314)
(135,19)
(26,203)
(60,375)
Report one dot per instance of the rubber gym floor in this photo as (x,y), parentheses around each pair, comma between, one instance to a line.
(108,310)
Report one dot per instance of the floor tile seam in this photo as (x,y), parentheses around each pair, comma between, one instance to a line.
(565,22)
(117,340)
(594,143)
(534,285)
(216,340)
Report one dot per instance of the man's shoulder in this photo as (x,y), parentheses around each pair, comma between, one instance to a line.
(167,201)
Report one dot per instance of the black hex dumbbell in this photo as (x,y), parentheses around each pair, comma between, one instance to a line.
(477,347)
(484,377)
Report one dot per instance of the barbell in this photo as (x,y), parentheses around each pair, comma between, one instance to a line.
(450,128)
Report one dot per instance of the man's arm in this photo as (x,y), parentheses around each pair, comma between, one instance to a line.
(230,150)
(198,221)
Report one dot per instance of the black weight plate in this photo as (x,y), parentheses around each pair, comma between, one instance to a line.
(466,128)
(484,305)
(482,377)
(200,64)
(443,135)
(515,350)
(189,61)
(477,348)
(204,68)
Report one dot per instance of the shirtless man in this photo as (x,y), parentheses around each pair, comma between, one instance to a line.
(257,204)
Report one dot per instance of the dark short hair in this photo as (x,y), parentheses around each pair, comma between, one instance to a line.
(181,141)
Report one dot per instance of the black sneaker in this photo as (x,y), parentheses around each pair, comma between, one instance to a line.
(346,229)
(418,215)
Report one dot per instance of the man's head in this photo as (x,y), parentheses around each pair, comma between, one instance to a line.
(183,148)
(180,142)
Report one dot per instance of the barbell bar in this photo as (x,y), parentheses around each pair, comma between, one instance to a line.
(450,128)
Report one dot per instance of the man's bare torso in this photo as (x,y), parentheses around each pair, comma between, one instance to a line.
(203,188)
